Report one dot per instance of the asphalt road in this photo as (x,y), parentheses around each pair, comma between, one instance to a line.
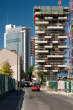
(45,101)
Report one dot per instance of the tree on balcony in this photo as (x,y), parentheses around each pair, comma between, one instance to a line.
(40,75)
(30,70)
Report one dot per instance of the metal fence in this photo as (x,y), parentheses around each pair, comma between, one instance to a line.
(66,86)
(7,84)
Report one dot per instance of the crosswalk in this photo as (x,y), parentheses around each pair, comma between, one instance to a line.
(36,94)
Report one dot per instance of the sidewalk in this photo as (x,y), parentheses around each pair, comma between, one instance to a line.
(12,101)
(56,93)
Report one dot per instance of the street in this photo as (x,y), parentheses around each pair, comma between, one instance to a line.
(44,101)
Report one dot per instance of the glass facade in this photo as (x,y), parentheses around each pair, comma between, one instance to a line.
(18,39)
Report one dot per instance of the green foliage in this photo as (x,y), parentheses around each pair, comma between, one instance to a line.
(40,73)
(6,69)
(31,68)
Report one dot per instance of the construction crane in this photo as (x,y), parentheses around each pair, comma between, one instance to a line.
(71,32)
(59,3)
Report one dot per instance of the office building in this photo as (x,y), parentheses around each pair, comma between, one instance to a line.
(18,38)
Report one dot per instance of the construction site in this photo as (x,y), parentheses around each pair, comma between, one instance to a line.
(50,39)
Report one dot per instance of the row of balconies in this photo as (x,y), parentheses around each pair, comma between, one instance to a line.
(50,41)
(48,27)
(48,37)
(49,18)
(49,70)
(43,31)
(50,46)
(50,56)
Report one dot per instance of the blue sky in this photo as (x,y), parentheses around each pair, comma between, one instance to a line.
(20,12)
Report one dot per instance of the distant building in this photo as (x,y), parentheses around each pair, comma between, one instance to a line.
(32,51)
(50,40)
(11,57)
(18,36)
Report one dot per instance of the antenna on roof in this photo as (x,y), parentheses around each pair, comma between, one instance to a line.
(59,3)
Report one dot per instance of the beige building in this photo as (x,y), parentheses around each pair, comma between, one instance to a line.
(11,58)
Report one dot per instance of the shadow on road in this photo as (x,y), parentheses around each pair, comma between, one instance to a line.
(12,101)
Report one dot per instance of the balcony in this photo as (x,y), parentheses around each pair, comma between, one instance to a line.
(48,66)
(48,37)
(54,70)
(55,56)
(41,42)
(49,46)
(62,18)
(41,51)
(39,32)
(40,61)
(55,27)
(36,47)
(44,70)
(62,46)
(41,22)
(37,13)
(48,18)
(54,42)
(36,18)
(62,65)
(62,37)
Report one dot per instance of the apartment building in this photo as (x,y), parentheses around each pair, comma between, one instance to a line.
(18,38)
(50,40)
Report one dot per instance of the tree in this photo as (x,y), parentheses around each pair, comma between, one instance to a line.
(40,74)
(6,69)
(30,70)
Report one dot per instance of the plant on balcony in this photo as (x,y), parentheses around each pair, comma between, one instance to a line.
(40,75)
(30,70)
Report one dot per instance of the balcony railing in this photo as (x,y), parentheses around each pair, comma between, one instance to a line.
(62,46)
(55,27)
(55,56)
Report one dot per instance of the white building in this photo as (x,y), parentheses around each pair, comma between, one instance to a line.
(17,36)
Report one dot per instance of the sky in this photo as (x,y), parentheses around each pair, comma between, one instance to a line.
(20,12)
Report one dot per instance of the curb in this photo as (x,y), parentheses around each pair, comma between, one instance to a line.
(57,93)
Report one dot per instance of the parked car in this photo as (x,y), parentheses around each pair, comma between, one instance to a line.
(35,87)
(26,84)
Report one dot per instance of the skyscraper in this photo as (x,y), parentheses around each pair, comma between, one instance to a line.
(18,38)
